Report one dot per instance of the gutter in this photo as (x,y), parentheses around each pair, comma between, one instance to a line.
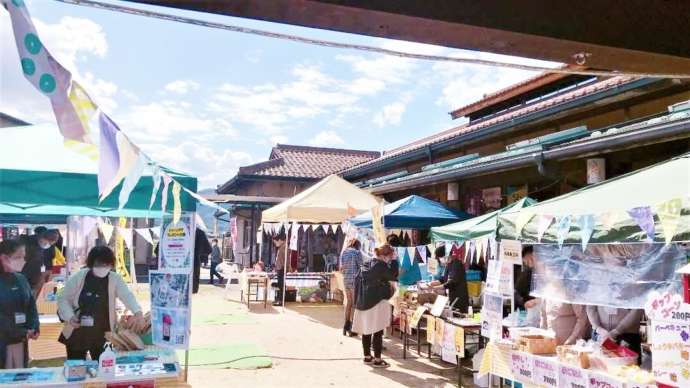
(422,152)
(577,149)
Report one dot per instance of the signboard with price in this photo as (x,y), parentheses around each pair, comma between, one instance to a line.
(522,366)
(669,335)
(546,372)
(572,377)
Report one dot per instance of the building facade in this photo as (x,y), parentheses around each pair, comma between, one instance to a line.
(543,137)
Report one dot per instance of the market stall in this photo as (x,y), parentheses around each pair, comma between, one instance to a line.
(312,221)
(612,250)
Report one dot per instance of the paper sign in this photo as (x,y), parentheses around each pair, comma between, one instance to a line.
(430,329)
(545,372)
(448,352)
(600,380)
(460,342)
(492,316)
(521,365)
(499,277)
(440,326)
(572,377)
(414,322)
(177,243)
(511,252)
(670,343)
(439,304)
(667,307)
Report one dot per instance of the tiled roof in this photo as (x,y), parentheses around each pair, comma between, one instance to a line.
(307,162)
(532,108)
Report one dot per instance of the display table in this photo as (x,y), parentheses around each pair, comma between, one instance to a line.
(256,279)
(162,371)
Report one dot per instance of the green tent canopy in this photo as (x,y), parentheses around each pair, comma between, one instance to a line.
(41,179)
(476,227)
(609,202)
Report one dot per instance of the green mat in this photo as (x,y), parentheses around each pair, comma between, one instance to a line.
(234,356)
(222,319)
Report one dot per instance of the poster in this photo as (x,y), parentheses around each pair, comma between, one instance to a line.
(439,305)
(545,372)
(492,198)
(596,170)
(522,365)
(460,341)
(171,285)
(511,252)
(448,350)
(601,380)
(499,277)
(169,289)
(492,316)
(572,377)
(170,327)
(414,322)
(177,243)
(430,330)
(669,335)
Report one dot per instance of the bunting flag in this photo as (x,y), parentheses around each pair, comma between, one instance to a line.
(522,219)
(156,176)
(107,230)
(109,156)
(164,195)
(156,232)
(177,204)
(422,253)
(479,244)
(473,249)
(645,219)
(610,219)
(400,255)
(411,253)
(132,179)
(127,236)
(494,247)
(145,233)
(586,222)
(669,216)
(88,224)
(543,224)
(562,229)
(466,244)
(44,72)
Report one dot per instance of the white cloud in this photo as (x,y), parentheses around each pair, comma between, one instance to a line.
(327,139)
(392,113)
(279,139)
(182,86)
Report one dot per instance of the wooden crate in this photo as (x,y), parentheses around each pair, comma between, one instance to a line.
(537,344)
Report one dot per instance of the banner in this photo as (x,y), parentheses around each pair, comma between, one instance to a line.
(171,285)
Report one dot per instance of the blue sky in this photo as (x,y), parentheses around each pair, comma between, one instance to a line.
(207,101)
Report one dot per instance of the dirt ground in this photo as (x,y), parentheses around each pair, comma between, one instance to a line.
(306,346)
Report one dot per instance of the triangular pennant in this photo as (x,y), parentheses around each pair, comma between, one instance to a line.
(164,195)
(610,219)
(411,251)
(479,245)
(669,216)
(145,233)
(156,176)
(466,245)
(422,252)
(645,220)
(473,249)
(107,230)
(543,224)
(132,179)
(205,201)
(177,204)
(586,223)
(109,155)
(522,219)
(562,229)
(127,236)
(156,232)
(494,247)
(129,155)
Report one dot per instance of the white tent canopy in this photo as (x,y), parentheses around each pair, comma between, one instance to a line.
(331,200)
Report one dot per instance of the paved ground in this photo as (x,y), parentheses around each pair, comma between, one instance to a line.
(306,347)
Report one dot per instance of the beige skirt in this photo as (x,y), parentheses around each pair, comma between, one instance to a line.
(14,356)
(373,320)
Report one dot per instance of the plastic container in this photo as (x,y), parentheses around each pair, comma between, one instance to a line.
(106,362)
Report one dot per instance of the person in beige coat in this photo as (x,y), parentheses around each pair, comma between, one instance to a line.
(568,321)
(87,305)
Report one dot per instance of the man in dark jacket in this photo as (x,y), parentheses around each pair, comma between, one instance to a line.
(202,248)
(455,282)
(523,280)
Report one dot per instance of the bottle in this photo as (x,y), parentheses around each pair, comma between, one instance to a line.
(167,323)
(106,362)
(88,355)
(470,311)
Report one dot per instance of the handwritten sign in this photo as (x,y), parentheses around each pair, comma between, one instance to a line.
(511,252)
(499,277)
(546,372)
(670,338)
(600,380)
(414,321)
(448,352)
(572,377)
(492,316)
(460,342)
(522,365)
(430,329)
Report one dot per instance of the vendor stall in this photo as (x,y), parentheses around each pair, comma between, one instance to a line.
(312,221)
(413,212)
(610,251)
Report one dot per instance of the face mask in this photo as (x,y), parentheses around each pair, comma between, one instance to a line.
(44,245)
(16,265)
(101,272)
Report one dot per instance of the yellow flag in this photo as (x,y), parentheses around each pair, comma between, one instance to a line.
(177,205)
(430,329)
(120,266)
(83,105)
(669,215)
(485,366)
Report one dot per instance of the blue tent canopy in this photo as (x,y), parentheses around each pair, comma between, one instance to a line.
(413,212)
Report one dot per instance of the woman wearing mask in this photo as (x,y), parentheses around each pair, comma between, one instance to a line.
(87,305)
(350,263)
(372,310)
(568,321)
(18,315)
